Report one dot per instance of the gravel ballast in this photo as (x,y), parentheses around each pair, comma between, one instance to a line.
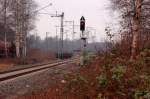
(33,83)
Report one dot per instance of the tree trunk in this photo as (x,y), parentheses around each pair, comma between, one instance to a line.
(17,38)
(136,29)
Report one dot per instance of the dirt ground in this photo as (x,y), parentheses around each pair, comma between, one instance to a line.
(6,63)
(47,84)
(34,56)
(59,89)
(105,77)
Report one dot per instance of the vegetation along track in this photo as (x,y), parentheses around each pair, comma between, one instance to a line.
(24,71)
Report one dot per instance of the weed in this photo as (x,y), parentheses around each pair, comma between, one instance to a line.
(74,80)
(100,96)
(102,80)
(118,72)
(141,95)
(85,59)
(107,67)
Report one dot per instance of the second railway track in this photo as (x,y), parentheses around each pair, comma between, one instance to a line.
(21,72)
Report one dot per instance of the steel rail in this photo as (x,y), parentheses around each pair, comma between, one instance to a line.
(28,66)
(19,73)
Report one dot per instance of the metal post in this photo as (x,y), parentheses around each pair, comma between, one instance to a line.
(36,41)
(73,38)
(61,32)
(47,41)
(83,38)
(57,43)
(73,31)
(62,35)
(84,52)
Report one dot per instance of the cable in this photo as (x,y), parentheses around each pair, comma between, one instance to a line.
(46,14)
(43,8)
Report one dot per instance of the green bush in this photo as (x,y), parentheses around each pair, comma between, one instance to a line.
(141,95)
(85,58)
(102,80)
(74,80)
(118,72)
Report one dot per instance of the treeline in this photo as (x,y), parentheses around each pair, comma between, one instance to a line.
(16,20)
(135,25)
(52,44)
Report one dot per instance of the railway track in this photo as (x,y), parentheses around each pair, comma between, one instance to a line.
(4,76)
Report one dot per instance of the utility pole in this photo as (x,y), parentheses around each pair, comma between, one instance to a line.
(73,36)
(5,27)
(61,32)
(57,42)
(66,49)
(93,36)
(36,40)
(73,32)
(47,42)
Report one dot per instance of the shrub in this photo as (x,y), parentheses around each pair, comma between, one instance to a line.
(100,96)
(102,80)
(118,72)
(141,95)
(74,80)
(85,58)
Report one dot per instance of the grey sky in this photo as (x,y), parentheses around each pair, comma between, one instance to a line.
(95,12)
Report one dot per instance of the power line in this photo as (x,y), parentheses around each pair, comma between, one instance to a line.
(42,8)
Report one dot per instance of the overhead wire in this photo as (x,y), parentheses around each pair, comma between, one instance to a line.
(50,4)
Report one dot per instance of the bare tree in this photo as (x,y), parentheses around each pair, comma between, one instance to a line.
(20,18)
(135,22)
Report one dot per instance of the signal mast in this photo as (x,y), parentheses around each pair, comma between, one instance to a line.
(84,41)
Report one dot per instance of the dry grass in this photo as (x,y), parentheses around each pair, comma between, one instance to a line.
(6,63)
(124,80)
(35,55)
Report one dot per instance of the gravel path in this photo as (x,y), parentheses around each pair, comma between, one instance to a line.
(34,83)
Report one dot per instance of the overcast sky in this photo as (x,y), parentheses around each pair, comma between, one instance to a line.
(96,13)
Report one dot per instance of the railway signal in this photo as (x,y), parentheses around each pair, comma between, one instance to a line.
(82,24)
(84,41)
